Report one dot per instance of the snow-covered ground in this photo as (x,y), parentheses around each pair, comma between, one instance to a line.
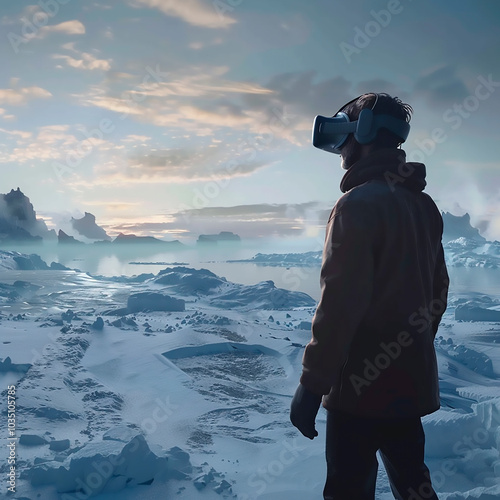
(190,400)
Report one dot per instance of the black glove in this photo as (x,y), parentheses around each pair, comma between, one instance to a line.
(303,411)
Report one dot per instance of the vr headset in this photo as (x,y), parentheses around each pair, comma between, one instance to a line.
(330,134)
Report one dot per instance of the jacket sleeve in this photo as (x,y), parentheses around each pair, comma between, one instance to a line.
(440,289)
(346,288)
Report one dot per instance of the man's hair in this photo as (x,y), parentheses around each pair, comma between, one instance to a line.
(386,105)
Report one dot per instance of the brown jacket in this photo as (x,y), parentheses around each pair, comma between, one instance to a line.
(384,289)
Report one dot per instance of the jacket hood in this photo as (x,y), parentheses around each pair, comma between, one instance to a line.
(388,165)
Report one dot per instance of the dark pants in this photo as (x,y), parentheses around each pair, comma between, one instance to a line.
(351,446)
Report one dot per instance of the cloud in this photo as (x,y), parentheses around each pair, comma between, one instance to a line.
(17,133)
(118,76)
(87,61)
(20,96)
(117,104)
(441,86)
(31,28)
(196,99)
(195,81)
(253,211)
(175,166)
(28,12)
(208,43)
(249,221)
(260,118)
(194,12)
(108,33)
(114,205)
(69,46)
(136,138)
(53,143)
(157,229)
(307,95)
(201,101)
(186,117)
(199,82)
(299,97)
(382,86)
(73,27)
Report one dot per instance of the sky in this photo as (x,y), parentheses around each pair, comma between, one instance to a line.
(173,118)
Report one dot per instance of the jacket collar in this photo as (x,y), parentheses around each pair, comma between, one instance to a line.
(388,165)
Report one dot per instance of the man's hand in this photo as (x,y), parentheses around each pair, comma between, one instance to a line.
(303,411)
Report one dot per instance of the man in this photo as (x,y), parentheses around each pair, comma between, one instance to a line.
(384,287)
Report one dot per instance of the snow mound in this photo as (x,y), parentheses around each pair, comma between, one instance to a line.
(222,347)
(263,295)
(189,281)
(227,295)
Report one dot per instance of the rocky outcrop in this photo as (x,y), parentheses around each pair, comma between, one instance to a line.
(66,239)
(86,226)
(18,221)
(459,226)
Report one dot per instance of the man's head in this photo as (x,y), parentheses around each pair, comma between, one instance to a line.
(352,150)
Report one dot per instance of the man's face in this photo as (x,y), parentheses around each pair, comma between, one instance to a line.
(350,153)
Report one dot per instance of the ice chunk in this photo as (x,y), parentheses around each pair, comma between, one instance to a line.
(222,486)
(179,466)
(153,301)
(59,445)
(469,312)
(32,440)
(98,324)
(442,429)
(304,325)
(488,413)
(90,469)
